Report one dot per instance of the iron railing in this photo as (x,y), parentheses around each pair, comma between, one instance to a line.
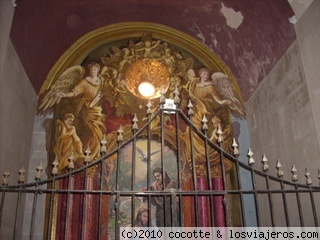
(95,201)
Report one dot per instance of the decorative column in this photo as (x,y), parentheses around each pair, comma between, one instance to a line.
(90,211)
(77,216)
(203,204)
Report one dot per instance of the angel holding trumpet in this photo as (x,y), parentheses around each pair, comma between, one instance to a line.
(84,93)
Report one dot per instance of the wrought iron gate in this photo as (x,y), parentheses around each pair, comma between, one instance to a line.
(94,195)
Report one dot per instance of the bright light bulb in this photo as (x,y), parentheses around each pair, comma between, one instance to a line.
(146,89)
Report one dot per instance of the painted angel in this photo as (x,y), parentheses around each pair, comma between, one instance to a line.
(85,93)
(218,91)
(67,142)
(206,91)
(147,46)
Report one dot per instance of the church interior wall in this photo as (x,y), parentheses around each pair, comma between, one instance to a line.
(283,112)
(17,110)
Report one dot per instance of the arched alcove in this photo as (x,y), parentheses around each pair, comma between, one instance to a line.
(87,89)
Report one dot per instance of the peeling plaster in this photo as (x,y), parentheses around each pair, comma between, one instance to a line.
(220,25)
(234,19)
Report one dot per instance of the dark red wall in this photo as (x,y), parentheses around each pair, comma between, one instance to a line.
(43,30)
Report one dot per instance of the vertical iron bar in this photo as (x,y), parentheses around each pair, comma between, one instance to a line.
(133,176)
(194,173)
(49,234)
(270,201)
(149,164)
(180,217)
(16,214)
(149,209)
(314,210)
(84,204)
(174,211)
(241,194)
(225,198)
(100,199)
(66,226)
(254,186)
(35,197)
(117,206)
(117,203)
(148,152)
(3,196)
(163,168)
(209,177)
(285,204)
(299,206)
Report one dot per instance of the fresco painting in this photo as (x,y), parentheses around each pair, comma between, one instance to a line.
(98,100)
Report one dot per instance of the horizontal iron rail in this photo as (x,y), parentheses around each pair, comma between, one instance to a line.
(162,193)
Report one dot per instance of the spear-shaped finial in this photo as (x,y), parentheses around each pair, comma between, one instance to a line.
(235,148)
(294,176)
(162,97)
(5,180)
(308,177)
(251,159)
(71,162)
(55,167)
(87,158)
(190,106)
(265,161)
(219,132)
(39,170)
(149,105)
(120,136)
(135,122)
(21,175)
(103,145)
(176,98)
(204,123)
(280,169)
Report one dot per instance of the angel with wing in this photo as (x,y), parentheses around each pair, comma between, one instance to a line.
(218,91)
(67,142)
(81,95)
(226,91)
(147,46)
(217,106)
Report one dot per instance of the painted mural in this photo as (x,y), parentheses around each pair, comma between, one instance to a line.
(91,101)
